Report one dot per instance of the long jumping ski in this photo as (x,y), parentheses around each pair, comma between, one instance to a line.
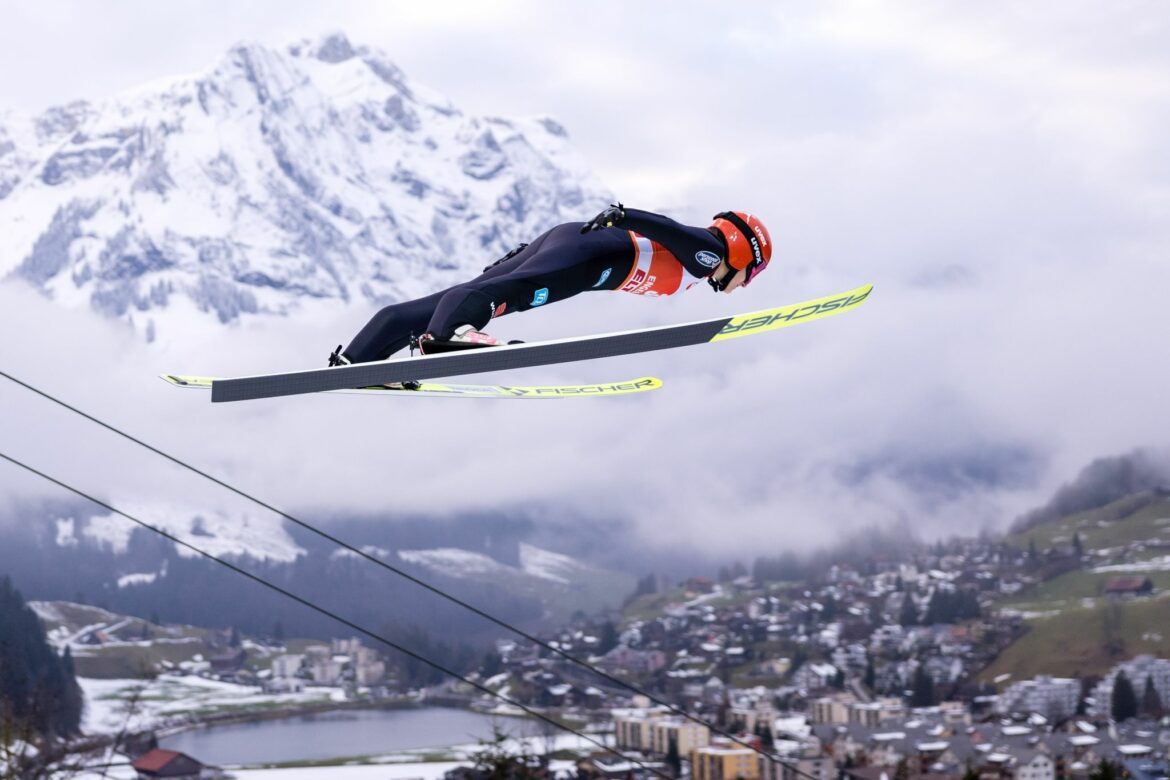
(427,389)
(537,353)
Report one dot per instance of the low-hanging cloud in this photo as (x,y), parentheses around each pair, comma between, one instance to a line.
(1003,184)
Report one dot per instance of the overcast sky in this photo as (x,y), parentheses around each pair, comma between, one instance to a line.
(999,171)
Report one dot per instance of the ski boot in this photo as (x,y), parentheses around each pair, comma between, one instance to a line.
(465,337)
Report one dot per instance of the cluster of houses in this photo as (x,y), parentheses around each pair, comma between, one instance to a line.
(838,735)
(847,631)
(342,661)
(865,673)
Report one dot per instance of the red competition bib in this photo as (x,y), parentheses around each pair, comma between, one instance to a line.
(656,271)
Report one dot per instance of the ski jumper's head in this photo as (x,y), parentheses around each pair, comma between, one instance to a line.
(749,249)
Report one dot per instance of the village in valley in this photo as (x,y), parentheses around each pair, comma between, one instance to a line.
(1038,656)
(887,669)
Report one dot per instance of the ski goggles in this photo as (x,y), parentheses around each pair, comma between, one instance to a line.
(758,262)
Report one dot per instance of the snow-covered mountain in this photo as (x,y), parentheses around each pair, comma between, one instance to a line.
(278,178)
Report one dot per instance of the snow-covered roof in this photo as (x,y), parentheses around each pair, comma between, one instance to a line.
(1134,750)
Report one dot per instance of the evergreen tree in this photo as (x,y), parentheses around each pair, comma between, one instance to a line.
(1124,704)
(1106,770)
(909,613)
(673,760)
(767,741)
(495,761)
(1151,701)
(234,638)
(1078,548)
(922,694)
(646,585)
(493,664)
(870,679)
(38,688)
(67,719)
(938,609)
(899,585)
(839,680)
(609,637)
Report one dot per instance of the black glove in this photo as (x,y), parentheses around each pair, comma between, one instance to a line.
(608,218)
(508,256)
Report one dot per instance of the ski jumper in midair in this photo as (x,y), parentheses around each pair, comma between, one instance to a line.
(620,249)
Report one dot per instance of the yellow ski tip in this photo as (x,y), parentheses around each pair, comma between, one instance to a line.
(181,380)
(793,314)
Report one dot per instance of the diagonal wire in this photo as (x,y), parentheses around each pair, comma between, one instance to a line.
(328,613)
(672,708)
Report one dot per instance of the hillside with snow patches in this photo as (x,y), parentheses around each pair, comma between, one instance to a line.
(534,562)
(277,182)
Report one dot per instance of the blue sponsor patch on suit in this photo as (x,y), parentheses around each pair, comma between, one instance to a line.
(707,259)
(540,297)
(604,275)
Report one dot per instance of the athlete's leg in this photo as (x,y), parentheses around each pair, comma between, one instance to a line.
(563,264)
(391,329)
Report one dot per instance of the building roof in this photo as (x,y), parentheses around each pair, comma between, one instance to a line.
(1082,740)
(157,760)
(154,760)
(1134,750)
(1127,584)
(869,773)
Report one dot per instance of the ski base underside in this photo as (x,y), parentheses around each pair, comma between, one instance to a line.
(433,390)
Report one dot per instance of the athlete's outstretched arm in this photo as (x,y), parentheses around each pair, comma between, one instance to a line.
(689,244)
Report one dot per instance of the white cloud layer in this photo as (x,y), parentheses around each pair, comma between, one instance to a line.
(1000,172)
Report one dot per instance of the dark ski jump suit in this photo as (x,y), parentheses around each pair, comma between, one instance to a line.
(645,254)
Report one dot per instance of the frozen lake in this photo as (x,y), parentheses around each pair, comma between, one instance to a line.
(344,733)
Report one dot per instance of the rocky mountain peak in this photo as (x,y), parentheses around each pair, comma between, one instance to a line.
(277,178)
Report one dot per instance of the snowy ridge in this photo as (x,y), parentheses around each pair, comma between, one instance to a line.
(534,562)
(217,532)
(277,178)
(454,562)
(549,565)
(141,578)
(116,705)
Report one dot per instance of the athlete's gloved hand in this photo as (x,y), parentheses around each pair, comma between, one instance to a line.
(608,218)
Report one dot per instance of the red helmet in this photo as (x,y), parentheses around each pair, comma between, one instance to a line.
(749,246)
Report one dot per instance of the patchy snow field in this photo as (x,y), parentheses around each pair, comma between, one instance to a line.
(173,700)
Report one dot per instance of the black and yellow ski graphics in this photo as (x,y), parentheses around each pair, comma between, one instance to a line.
(427,389)
(538,353)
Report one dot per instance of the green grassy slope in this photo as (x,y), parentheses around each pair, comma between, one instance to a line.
(1080,641)
(1072,627)
(1140,517)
